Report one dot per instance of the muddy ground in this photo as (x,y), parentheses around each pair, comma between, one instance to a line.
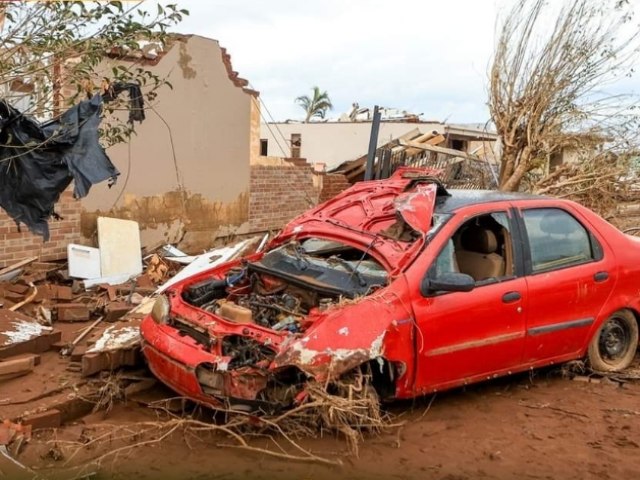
(532,426)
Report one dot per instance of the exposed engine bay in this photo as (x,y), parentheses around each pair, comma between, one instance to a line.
(279,291)
(266,301)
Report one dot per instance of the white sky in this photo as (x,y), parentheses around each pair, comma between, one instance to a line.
(425,56)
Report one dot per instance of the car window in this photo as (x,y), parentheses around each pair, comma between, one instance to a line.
(556,239)
(482,247)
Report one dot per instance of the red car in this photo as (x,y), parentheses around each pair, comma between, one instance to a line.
(426,289)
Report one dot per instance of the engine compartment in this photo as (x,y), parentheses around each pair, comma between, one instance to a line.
(258,299)
(279,290)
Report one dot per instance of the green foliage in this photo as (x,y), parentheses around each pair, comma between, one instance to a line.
(315,106)
(55,47)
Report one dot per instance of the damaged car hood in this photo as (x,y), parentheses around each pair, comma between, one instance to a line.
(368,213)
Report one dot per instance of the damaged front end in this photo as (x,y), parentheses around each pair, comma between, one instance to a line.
(319,303)
(247,319)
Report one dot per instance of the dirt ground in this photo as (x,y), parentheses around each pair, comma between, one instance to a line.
(534,426)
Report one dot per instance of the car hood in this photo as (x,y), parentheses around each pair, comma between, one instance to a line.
(365,215)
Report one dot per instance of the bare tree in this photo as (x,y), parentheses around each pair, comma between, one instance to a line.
(52,53)
(552,65)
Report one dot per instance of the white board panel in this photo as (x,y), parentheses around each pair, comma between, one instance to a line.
(84,262)
(120,252)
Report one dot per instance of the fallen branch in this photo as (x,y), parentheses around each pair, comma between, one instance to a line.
(165,429)
(348,407)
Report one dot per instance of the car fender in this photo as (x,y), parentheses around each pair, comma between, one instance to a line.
(348,335)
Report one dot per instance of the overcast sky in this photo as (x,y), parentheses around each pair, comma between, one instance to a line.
(427,57)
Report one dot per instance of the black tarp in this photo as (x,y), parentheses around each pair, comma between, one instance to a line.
(38,161)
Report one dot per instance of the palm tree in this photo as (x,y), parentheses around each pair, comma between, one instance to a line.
(316,106)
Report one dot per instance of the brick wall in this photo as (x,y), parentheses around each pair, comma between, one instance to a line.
(332,185)
(279,193)
(15,246)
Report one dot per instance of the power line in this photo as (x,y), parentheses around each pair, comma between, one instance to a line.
(272,120)
(284,153)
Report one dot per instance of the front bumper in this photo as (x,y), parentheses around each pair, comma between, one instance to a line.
(175,359)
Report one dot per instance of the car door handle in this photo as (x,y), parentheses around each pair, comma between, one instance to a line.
(601,276)
(511,297)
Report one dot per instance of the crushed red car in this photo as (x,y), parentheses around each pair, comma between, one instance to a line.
(426,289)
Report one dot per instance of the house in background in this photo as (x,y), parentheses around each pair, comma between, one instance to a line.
(334,142)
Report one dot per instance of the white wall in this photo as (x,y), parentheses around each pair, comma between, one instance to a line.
(334,143)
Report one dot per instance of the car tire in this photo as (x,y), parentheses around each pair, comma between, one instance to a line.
(614,345)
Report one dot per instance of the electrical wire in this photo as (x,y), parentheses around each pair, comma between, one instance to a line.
(284,153)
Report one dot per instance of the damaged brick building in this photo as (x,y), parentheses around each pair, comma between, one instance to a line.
(193,172)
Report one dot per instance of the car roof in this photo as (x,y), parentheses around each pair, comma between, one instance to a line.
(464,198)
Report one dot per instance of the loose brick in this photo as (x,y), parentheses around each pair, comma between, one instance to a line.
(50,419)
(116,310)
(73,312)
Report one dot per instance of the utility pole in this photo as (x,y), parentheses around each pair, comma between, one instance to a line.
(373,143)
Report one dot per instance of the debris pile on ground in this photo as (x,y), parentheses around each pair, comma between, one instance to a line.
(69,347)
(63,323)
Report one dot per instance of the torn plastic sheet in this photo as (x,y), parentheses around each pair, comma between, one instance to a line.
(38,161)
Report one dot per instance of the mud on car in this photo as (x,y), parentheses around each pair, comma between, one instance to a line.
(424,289)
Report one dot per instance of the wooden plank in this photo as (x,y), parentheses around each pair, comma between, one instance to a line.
(430,140)
(424,137)
(18,265)
(445,151)
(438,139)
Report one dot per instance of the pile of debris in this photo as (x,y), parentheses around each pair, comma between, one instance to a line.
(59,330)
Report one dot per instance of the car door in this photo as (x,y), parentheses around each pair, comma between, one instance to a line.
(467,336)
(569,274)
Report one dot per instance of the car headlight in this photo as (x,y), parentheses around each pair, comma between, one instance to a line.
(161,309)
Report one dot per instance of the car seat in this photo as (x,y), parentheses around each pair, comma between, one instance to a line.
(478,256)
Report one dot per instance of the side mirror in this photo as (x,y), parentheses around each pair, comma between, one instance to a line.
(447,282)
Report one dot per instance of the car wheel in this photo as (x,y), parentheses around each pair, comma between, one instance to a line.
(614,345)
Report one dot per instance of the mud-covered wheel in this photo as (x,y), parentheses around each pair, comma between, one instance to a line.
(614,345)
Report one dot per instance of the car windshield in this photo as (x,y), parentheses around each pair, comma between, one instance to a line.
(336,266)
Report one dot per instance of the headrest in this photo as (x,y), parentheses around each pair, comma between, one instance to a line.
(557,224)
(478,239)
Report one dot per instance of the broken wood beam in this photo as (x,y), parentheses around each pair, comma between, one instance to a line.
(445,151)
(69,349)
(27,300)
(17,265)
(421,138)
